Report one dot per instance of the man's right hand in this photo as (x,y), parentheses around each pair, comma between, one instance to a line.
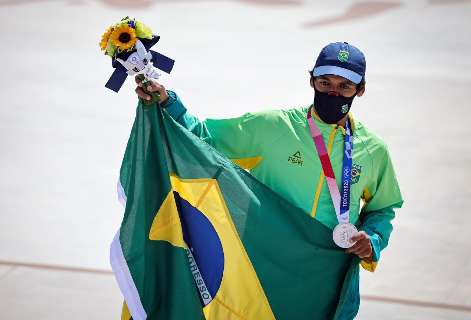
(152,86)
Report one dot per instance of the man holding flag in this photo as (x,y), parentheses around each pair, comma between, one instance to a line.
(338,76)
(254,253)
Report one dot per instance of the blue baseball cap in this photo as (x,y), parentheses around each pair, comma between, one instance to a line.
(341,59)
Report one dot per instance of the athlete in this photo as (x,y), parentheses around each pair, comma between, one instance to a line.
(317,157)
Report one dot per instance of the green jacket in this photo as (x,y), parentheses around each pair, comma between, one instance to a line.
(277,148)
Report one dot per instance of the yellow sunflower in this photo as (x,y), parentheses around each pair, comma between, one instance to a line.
(123,37)
(105,38)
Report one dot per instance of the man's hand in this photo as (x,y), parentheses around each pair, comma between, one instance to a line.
(151,86)
(362,247)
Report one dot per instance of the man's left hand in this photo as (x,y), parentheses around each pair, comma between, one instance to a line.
(362,246)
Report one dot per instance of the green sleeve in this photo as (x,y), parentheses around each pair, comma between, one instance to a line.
(237,138)
(382,196)
(377,224)
(382,189)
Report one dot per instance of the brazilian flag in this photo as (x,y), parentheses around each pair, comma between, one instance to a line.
(203,239)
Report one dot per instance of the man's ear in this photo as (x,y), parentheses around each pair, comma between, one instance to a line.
(312,82)
(361,91)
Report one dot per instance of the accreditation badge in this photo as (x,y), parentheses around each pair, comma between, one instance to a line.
(343,233)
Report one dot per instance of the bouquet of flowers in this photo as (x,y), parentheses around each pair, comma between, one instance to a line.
(128,43)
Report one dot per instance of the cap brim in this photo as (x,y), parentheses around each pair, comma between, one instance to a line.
(338,71)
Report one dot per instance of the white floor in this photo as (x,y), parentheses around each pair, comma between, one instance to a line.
(62,134)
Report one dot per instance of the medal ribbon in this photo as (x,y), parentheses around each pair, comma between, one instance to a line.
(341,202)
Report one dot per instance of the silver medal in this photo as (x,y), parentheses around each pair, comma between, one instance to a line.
(342,234)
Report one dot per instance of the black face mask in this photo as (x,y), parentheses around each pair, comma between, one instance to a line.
(331,108)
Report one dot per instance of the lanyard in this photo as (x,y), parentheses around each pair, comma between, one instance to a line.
(341,202)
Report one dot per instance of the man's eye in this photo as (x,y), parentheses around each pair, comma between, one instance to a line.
(324,83)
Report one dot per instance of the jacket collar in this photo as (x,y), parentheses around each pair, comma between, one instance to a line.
(323,125)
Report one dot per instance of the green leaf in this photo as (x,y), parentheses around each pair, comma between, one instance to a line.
(110,49)
(143,31)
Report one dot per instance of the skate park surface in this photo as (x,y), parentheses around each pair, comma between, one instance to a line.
(63,134)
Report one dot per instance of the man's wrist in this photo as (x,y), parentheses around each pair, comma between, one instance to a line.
(368,259)
(168,101)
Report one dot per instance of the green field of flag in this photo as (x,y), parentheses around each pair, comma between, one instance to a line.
(203,239)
